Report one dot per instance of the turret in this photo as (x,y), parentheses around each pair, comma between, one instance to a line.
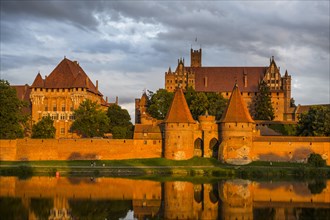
(140,107)
(236,131)
(179,129)
(196,58)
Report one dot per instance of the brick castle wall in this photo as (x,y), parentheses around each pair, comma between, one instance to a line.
(295,149)
(78,149)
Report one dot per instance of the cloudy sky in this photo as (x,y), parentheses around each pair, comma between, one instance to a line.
(128,45)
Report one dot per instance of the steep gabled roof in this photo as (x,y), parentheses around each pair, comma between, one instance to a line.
(38,82)
(67,74)
(179,111)
(221,79)
(236,109)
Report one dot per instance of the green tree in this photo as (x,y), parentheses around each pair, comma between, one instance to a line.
(263,104)
(200,102)
(90,120)
(11,116)
(216,104)
(44,128)
(199,105)
(315,122)
(159,103)
(120,122)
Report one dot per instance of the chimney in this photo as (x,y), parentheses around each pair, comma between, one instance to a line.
(97,85)
(205,81)
(26,88)
(245,79)
(116,100)
(87,82)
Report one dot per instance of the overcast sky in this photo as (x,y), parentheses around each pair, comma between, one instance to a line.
(128,45)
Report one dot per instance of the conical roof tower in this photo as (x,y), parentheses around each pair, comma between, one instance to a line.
(179,111)
(236,109)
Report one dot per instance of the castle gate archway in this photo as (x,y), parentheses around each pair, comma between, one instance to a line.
(214,147)
(198,147)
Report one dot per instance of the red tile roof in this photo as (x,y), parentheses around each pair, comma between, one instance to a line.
(67,74)
(38,82)
(305,108)
(221,79)
(179,111)
(236,109)
(23,93)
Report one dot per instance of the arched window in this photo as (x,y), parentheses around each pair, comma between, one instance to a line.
(214,147)
(198,147)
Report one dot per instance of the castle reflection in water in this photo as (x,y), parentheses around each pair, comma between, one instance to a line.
(114,198)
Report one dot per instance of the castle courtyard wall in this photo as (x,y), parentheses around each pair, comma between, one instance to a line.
(294,149)
(78,149)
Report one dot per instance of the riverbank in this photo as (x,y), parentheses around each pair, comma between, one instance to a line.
(162,168)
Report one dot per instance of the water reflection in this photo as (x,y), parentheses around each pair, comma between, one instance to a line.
(116,198)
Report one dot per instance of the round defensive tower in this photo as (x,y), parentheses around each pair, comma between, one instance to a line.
(236,131)
(179,129)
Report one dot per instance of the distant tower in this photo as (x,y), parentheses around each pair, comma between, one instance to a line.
(286,82)
(196,58)
(140,107)
(179,129)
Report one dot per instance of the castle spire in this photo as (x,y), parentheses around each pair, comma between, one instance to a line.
(179,111)
(236,109)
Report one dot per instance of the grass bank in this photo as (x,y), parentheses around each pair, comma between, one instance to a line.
(160,168)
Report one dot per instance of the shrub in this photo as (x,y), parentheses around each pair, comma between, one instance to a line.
(316,160)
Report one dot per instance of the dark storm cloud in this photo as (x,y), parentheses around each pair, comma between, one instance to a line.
(130,44)
(75,12)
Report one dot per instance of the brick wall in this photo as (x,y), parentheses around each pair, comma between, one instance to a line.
(78,149)
(295,149)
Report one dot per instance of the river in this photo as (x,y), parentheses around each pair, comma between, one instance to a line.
(121,198)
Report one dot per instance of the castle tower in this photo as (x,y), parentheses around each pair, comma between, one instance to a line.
(286,82)
(179,129)
(196,58)
(236,131)
(140,107)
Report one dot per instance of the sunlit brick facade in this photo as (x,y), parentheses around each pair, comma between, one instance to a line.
(58,94)
(221,79)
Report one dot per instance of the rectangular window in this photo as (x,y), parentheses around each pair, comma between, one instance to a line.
(46,108)
(62,130)
(71,117)
(63,107)
(54,116)
(62,117)
(54,108)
